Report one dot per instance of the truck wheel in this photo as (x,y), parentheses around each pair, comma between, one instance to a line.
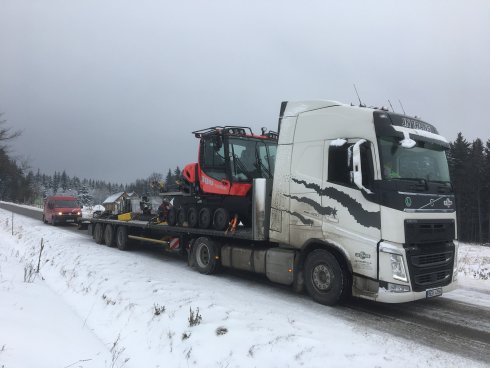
(221,219)
(99,233)
(44,220)
(181,217)
(90,229)
(122,240)
(109,235)
(171,217)
(192,217)
(325,280)
(205,254)
(53,221)
(204,218)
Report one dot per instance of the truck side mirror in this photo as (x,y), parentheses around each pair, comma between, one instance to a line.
(356,173)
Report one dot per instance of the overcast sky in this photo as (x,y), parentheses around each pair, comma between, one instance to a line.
(112,89)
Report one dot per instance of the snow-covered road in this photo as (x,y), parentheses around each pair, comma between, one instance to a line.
(99,307)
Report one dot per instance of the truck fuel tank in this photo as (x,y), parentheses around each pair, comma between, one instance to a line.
(276,263)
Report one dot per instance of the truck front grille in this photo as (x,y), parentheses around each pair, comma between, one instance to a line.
(428,279)
(435,259)
(430,264)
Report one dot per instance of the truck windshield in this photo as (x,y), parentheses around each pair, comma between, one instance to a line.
(251,158)
(425,161)
(66,204)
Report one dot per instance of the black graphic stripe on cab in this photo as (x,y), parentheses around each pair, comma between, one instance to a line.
(363,217)
(303,219)
(327,211)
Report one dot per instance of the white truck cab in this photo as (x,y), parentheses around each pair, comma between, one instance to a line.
(364,195)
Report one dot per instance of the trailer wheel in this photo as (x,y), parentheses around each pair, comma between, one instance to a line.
(221,219)
(205,254)
(122,240)
(171,217)
(90,229)
(109,235)
(192,217)
(325,280)
(99,233)
(181,217)
(204,218)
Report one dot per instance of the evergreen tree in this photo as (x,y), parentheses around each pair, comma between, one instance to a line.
(64,181)
(458,155)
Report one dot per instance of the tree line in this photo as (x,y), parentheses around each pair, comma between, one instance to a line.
(469,165)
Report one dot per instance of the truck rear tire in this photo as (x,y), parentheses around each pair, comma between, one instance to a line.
(122,240)
(205,256)
(109,235)
(325,280)
(99,233)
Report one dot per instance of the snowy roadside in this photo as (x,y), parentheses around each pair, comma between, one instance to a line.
(124,309)
(473,275)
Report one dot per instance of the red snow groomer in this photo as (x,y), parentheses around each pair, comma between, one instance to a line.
(218,187)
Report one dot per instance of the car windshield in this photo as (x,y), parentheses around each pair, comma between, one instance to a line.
(425,160)
(65,204)
(252,158)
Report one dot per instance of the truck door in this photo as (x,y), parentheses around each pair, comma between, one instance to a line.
(212,164)
(351,215)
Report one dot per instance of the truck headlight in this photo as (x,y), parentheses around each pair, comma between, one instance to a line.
(60,213)
(398,268)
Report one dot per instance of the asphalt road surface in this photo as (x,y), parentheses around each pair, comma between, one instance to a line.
(442,323)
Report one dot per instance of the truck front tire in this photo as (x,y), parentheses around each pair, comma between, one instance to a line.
(324,278)
(205,256)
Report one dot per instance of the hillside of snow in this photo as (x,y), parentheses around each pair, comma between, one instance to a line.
(95,306)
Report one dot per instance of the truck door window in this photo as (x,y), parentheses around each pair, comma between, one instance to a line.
(213,158)
(367,165)
(339,164)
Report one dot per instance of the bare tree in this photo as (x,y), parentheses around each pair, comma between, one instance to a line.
(6,134)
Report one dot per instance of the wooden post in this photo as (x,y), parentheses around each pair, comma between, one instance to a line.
(40,253)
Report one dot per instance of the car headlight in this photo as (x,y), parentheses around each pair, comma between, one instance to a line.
(398,268)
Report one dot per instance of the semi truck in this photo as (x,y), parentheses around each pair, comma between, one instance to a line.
(342,201)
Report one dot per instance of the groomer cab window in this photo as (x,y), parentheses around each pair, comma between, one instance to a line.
(213,157)
(342,163)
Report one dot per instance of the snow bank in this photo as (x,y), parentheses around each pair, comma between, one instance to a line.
(139,303)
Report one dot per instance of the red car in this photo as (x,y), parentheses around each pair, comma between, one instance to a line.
(61,209)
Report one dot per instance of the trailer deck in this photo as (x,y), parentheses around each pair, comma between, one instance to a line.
(164,229)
